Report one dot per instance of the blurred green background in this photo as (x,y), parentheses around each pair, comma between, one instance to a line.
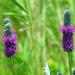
(39,40)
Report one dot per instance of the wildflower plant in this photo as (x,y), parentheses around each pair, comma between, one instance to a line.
(67,30)
(67,41)
(9,38)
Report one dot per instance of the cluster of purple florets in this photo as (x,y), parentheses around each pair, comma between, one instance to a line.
(67,31)
(9,39)
(67,41)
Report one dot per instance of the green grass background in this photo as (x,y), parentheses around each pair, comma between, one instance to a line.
(37,24)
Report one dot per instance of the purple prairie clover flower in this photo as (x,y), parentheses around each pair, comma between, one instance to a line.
(67,31)
(9,39)
(67,41)
(9,44)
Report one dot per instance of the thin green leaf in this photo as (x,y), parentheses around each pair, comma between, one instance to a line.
(10,14)
(19,5)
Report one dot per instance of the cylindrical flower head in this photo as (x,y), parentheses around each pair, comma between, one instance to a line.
(9,39)
(67,30)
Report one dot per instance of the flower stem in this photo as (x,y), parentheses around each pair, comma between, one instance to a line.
(70,62)
(12,66)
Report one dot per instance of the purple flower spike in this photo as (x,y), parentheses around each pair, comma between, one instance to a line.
(68,37)
(67,31)
(9,42)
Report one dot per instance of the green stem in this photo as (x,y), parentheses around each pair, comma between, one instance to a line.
(70,62)
(12,66)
